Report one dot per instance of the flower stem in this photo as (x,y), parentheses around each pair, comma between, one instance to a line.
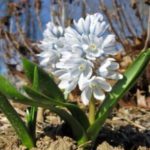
(92,110)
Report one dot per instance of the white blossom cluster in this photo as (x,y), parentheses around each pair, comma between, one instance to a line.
(82,56)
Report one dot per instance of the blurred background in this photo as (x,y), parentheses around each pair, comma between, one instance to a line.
(22,23)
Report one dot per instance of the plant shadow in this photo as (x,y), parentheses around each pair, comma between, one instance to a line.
(127,137)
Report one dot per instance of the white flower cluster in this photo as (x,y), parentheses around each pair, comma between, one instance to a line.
(82,56)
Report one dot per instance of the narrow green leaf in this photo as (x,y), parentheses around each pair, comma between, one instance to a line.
(79,114)
(40,97)
(46,83)
(120,88)
(31,112)
(35,84)
(48,87)
(10,92)
(78,131)
(75,110)
(16,122)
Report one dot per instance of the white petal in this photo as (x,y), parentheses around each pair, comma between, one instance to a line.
(74,72)
(90,57)
(99,16)
(43,54)
(88,72)
(85,46)
(86,95)
(104,27)
(110,59)
(109,41)
(103,84)
(63,84)
(98,94)
(103,72)
(80,25)
(44,61)
(87,24)
(98,29)
(113,66)
(71,33)
(83,82)
(60,30)
(65,76)
(92,28)
(120,76)
(73,84)
(60,65)
(110,50)
(59,72)
(105,64)
(115,76)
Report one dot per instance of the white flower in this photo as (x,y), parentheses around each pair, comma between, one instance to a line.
(50,58)
(109,69)
(52,45)
(91,45)
(69,55)
(91,36)
(71,71)
(92,24)
(53,37)
(78,56)
(77,66)
(52,31)
(95,87)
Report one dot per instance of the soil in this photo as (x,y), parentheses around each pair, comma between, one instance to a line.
(125,129)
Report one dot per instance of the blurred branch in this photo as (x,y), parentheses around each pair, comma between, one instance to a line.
(125,18)
(13,39)
(148,32)
(105,10)
(135,6)
(22,36)
(37,6)
(122,26)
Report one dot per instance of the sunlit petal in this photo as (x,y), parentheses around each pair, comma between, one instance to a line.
(98,94)
(86,96)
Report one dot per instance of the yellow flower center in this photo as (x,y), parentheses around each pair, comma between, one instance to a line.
(81,67)
(93,85)
(93,47)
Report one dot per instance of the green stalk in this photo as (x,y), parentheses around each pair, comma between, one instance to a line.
(19,126)
(92,111)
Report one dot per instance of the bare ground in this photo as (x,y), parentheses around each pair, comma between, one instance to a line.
(125,129)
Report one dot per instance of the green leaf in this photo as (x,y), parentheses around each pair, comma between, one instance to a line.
(75,110)
(78,131)
(78,114)
(36,79)
(40,97)
(48,87)
(46,83)
(16,122)
(10,92)
(31,112)
(31,119)
(120,88)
